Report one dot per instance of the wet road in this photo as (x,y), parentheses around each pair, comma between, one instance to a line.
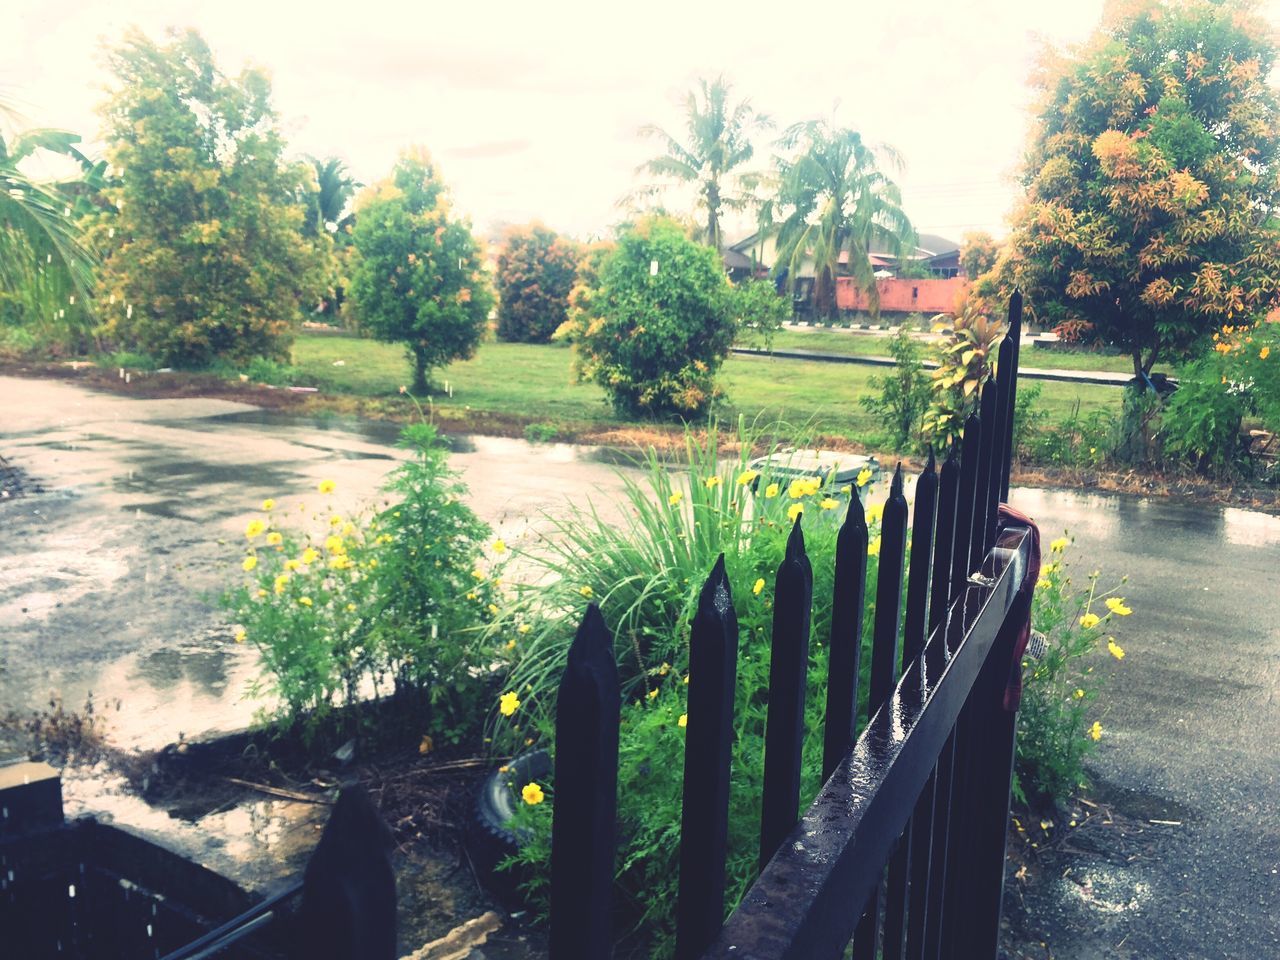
(106,584)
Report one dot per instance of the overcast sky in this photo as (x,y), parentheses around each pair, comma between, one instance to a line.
(531,108)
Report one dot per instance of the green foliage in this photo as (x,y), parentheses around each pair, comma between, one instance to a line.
(718,144)
(537,269)
(1077,440)
(1200,422)
(1151,179)
(833,198)
(645,573)
(205,258)
(372,605)
(902,397)
(978,253)
(759,311)
(965,360)
(46,265)
(653,341)
(418,277)
(541,432)
(1059,720)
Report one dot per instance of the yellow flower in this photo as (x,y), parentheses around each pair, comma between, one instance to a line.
(675,498)
(829,504)
(261,593)
(771,491)
(653,693)
(523,628)
(1095,731)
(873,548)
(1114,648)
(864,476)
(683,721)
(478,574)
(351,608)
(1116,606)
(586,592)
(713,482)
(1264,353)
(747,476)
(254,529)
(268,505)
(508,703)
(274,539)
(327,486)
(340,561)
(511,644)
(348,529)
(305,601)
(241,636)
(292,564)
(796,489)
(499,546)
(1090,620)
(334,544)
(759,585)
(1042,583)
(794,511)
(532,794)
(309,556)
(1059,545)
(493,609)
(471,596)
(280,582)
(1079,694)
(875,512)
(335,520)
(249,563)
(664,669)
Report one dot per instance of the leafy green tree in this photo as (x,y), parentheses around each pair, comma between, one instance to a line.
(718,144)
(205,258)
(901,398)
(418,277)
(537,269)
(330,201)
(759,312)
(834,198)
(1151,180)
(657,326)
(46,264)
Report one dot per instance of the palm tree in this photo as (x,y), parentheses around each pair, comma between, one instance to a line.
(39,236)
(834,198)
(719,142)
(329,204)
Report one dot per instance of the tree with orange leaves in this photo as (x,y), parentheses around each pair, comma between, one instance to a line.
(1151,180)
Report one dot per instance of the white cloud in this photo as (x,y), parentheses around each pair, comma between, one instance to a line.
(532,108)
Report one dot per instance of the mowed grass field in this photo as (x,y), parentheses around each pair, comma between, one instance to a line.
(824,340)
(535,383)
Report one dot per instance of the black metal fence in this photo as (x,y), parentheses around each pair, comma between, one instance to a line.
(902,852)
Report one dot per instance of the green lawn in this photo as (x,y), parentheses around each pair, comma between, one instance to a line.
(876,345)
(535,382)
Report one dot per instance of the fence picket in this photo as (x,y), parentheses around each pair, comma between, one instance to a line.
(948,495)
(784,722)
(704,826)
(848,602)
(971,445)
(1015,337)
(586,796)
(986,469)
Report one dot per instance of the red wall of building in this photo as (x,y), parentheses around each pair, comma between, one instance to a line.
(905,296)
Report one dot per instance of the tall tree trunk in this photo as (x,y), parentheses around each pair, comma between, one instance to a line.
(419,373)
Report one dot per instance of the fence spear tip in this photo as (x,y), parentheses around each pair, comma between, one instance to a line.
(932,464)
(895,489)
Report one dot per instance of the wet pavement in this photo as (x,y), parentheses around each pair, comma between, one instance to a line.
(107,582)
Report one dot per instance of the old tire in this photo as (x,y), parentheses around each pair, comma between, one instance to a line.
(490,839)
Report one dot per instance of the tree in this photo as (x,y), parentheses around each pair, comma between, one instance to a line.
(834,198)
(205,258)
(978,253)
(657,324)
(536,271)
(1151,180)
(330,200)
(719,142)
(46,264)
(418,277)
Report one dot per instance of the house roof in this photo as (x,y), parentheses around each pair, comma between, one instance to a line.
(929,246)
(736,260)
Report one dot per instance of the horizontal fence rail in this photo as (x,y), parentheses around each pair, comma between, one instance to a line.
(902,852)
